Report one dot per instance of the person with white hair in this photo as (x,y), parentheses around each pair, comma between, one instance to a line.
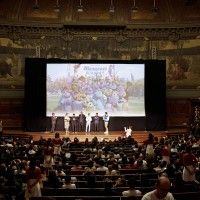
(161,191)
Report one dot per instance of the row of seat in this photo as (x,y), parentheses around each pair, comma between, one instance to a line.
(87,191)
(177,196)
(101,184)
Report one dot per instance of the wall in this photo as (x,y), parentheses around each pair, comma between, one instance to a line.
(96,33)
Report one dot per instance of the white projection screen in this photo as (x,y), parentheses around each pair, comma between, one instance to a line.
(117,88)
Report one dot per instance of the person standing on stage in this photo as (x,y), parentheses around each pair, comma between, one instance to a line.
(96,122)
(53,122)
(81,122)
(88,123)
(106,120)
(73,123)
(66,120)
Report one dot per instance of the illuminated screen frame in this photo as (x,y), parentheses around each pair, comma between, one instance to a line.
(116,88)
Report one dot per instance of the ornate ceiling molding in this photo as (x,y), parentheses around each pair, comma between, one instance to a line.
(120,34)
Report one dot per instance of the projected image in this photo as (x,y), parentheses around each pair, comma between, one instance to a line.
(88,87)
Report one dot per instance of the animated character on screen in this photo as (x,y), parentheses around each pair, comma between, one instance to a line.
(65,101)
(113,101)
(106,119)
(99,100)
(53,122)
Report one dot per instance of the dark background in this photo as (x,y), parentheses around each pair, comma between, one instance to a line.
(155,97)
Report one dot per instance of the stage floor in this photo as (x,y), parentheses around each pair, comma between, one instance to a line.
(139,136)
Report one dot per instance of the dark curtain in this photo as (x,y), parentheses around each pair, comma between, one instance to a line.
(155,95)
(35,94)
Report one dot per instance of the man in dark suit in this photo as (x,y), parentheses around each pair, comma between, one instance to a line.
(96,122)
(74,123)
(81,122)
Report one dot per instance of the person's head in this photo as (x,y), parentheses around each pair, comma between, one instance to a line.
(57,135)
(188,149)
(88,114)
(162,187)
(67,179)
(53,114)
(66,114)
(108,184)
(32,164)
(106,113)
(96,114)
(150,136)
(131,183)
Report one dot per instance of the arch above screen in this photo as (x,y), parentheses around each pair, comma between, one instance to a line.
(116,88)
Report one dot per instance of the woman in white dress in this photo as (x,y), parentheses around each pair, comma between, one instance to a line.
(66,120)
(88,123)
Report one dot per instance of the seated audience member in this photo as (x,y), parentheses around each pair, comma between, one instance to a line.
(112,170)
(131,192)
(108,188)
(189,163)
(140,164)
(90,178)
(161,192)
(77,165)
(161,167)
(53,180)
(60,172)
(68,184)
(101,166)
(120,182)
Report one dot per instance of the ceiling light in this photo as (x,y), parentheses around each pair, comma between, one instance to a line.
(36,5)
(134,8)
(57,6)
(155,8)
(112,8)
(80,7)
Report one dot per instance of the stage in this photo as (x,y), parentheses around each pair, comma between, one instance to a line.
(139,136)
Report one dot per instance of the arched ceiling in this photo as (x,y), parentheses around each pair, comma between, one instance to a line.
(162,12)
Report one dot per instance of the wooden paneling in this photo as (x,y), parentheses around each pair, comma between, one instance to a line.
(12,113)
(178,113)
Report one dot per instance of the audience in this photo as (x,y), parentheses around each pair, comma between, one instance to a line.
(44,161)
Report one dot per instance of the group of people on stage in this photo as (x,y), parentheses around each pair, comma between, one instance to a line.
(81,123)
